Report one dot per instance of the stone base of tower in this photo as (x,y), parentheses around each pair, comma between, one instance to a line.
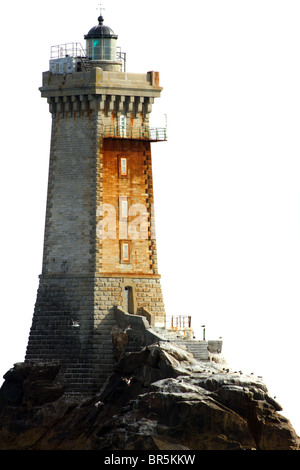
(73,321)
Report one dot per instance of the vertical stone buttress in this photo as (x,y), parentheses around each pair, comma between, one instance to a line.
(83,278)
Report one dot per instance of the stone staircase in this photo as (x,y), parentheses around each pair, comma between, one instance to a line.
(140,334)
(199,349)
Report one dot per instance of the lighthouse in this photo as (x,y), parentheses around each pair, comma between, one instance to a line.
(99,242)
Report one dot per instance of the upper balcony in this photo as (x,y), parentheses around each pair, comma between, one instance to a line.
(151,134)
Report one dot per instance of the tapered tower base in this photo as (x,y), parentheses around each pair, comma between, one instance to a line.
(73,322)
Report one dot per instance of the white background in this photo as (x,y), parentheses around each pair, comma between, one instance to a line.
(227,182)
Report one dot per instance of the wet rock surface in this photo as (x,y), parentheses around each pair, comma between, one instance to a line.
(159,398)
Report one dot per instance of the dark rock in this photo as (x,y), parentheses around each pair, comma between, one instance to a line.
(159,398)
(30,384)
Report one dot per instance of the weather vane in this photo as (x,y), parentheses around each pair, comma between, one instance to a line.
(101,8)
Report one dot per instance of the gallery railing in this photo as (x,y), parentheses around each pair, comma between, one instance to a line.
(153,134)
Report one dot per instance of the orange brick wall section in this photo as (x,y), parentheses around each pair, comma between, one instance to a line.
(136,187)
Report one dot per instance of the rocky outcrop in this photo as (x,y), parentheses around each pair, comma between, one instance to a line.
(158,398)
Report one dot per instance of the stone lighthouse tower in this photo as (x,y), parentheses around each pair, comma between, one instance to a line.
(99,242)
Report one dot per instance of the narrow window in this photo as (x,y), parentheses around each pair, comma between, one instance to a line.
(125,251)
(123,207)
(123,167)
(122,126)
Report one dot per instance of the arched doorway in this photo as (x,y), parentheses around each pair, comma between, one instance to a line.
(129,304)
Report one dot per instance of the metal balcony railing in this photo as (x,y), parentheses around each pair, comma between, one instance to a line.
(153,134)
(75,49)
(71,49)
(179,321)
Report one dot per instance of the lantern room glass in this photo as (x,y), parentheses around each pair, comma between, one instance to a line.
(101,48)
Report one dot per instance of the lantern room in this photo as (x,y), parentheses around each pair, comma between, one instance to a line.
(101,46)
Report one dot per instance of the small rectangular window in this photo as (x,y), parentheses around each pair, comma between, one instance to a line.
(125,251)
(123,207)
(123,167)
(123,121)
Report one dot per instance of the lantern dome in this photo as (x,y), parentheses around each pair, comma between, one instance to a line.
(101,31)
